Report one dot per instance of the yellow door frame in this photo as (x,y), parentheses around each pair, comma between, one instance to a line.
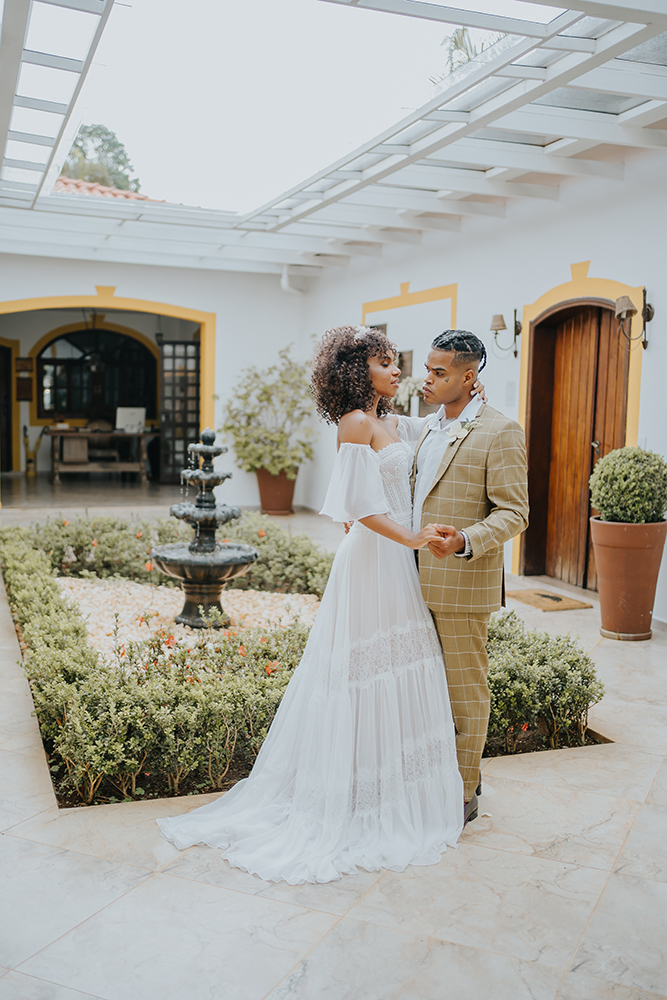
(106,298)
(583,287)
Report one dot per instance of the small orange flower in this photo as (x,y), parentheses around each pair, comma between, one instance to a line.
(148,567)
(524,727)
(261,533)
(269,670)
(170,641)
(242,650)
(139,534)
(262,639)
(65,522)
(225,539)
(94,542)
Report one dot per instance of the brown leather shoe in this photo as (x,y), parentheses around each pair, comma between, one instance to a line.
(470,810)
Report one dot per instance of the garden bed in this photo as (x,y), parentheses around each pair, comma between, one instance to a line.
(184,712)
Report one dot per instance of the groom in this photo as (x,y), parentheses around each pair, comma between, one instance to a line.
(469,473)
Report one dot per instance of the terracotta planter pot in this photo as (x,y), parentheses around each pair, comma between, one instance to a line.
(275,492)
(627,557)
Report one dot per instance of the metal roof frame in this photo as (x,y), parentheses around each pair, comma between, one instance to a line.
(514,123)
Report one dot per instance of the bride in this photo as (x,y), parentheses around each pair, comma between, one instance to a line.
(359,767)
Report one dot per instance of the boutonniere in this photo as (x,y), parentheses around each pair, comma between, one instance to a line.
(460,429)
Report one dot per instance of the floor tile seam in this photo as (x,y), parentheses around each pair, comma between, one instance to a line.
(244,892)
(83,854)
(541,857)
(303,957)
(442,940)
(75,927)
(51,982)
(26,819)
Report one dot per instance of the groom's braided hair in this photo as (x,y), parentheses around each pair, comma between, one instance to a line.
(341,380)
(466,346)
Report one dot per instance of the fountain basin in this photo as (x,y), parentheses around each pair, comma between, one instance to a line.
(202,575)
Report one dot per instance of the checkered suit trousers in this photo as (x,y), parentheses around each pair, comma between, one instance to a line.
(480,487)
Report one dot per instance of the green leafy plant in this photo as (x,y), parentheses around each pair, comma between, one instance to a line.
(269,418)
(536,679)
(286,564)
(630,485)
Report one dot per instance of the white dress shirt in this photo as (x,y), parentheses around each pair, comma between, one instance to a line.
(431,454)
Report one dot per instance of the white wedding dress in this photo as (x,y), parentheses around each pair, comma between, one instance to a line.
(359,766)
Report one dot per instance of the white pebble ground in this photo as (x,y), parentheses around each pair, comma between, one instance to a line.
(99,600)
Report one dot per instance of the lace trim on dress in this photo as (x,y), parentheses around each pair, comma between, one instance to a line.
(388,654)
(417,761)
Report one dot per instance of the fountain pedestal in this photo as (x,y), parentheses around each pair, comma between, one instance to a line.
(204,565)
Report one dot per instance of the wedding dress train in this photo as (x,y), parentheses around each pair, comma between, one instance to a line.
(359,766)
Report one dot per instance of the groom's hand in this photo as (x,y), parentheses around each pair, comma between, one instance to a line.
(450,541)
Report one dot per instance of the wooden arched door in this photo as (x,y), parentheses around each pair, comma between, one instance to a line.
(577,408)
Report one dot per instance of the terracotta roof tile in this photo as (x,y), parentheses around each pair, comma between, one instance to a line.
(69,185)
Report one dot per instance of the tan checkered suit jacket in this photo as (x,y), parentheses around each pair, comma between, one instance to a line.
(481,487)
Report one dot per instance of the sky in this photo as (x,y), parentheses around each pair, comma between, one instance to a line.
(227,103)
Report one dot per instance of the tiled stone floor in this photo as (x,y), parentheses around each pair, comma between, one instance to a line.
(558,891)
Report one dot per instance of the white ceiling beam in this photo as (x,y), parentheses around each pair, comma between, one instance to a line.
(642,11)
(468,181)
(35,140)
(645,114)
(633,81)
(53,62)
(612,44)
(489,153)
(384,196)
(385,218)
(38,104)
(356,249)
(374,234)
(14,26)
(588,125)
(88,6)
(325,260)
(450,15)
(568,147)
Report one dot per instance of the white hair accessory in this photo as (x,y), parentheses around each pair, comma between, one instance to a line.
(361,331)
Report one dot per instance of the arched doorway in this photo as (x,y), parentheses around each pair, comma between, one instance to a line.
(577,397)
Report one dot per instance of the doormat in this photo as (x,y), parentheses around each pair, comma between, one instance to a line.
(547,600)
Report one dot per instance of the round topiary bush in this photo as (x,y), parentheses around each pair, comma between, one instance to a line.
(630,485)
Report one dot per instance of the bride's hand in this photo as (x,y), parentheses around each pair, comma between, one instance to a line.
(448,540)
(427,536)
(478,390)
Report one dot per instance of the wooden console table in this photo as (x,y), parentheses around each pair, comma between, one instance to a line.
(139,465)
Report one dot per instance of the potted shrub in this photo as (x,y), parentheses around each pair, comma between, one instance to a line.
(269,422)
(629,489)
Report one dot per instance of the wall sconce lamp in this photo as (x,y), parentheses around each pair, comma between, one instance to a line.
(625,309)
(498,324)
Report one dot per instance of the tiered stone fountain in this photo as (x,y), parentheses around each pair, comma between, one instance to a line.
(204,565)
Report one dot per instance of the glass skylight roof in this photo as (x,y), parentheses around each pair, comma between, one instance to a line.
(507,8)
(589,100)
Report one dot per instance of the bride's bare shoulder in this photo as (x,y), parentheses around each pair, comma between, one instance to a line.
(355,427)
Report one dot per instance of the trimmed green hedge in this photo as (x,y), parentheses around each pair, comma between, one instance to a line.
(112,546)
(171,716)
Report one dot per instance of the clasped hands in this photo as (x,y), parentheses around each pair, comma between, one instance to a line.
(441,540)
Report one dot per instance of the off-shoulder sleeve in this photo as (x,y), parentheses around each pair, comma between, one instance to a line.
(410,428)
(356,489)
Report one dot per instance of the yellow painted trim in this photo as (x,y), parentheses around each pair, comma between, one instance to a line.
(60,331)
(15,347)
(408,298)
(106,298)
(583,287)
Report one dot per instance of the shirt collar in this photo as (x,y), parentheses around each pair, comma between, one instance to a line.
(469,413)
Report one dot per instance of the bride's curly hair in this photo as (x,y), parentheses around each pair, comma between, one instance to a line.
(341,379)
